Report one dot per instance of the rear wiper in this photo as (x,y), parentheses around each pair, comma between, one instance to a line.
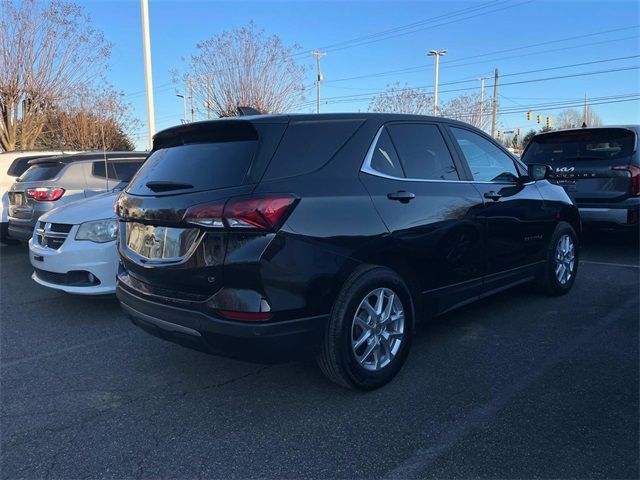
(166,186)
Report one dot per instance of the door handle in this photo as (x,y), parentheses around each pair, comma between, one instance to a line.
(495,196)
(401,196)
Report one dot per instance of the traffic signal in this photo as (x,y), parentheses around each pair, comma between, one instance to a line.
(518,131)
(539,118)
(529,116)
(548,122)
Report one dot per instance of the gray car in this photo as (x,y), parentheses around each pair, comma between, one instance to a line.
(53,181)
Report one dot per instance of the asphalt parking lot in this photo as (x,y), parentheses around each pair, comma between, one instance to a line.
(515,386)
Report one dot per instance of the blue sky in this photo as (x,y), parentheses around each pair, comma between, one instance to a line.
(491,34)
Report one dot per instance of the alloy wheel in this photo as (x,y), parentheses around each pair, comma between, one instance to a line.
(377,330)
(565,259)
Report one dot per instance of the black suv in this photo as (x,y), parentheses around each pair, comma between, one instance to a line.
(598,167)
(271,237)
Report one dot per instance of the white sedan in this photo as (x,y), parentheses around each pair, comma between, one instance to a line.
(73,248)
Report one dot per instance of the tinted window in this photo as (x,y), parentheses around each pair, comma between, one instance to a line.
(205,166)
(44,171)
(385,159)
(423,152)
(20,165)
(120,170)
(308,146)
(486,161)
(601,144)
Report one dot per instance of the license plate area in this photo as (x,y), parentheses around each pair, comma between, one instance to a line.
(161,244)
(17,199)
(568,185)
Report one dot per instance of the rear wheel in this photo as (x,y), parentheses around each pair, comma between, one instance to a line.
(561,263)
(369,330)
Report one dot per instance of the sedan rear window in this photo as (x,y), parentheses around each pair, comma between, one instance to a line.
(197,166)
(40,172)
(588,144)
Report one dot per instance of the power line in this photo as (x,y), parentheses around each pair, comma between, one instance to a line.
(454,63)
(365,96)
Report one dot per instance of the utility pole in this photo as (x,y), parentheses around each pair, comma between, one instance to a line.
(437,54)
(482,102)
(585,115)
(208,99)
(191,99)
(495,104)
(146,43)
(318,54)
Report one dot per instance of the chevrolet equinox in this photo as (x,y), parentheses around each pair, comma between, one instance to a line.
(274,237)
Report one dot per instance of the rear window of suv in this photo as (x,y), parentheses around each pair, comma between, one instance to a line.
(588,144)
(40,172)
(201,166)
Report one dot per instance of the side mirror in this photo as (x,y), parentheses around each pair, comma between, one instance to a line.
(539,171)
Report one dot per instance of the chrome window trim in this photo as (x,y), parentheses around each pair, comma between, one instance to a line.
(368,169)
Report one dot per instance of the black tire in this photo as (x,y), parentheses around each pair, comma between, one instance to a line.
(337,359)
(548,281)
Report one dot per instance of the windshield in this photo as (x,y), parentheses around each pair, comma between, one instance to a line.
(588,144)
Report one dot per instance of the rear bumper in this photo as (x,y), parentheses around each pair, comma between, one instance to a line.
(21,229)
(267,342)
(624,215)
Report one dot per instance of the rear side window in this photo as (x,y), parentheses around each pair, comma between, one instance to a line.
(423,152)
(587,144)
(486,161)
(40,172)
(118,170)
(201,166)
(308,146)
(384,158)
(20,165)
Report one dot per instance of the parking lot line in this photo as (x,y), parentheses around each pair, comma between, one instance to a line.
(417,464)
(609,264)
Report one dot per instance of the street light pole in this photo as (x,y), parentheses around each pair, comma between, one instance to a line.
(184,107)
(146,43)
(437,54)
(318,54)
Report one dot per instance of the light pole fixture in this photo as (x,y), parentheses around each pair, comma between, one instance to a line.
(184,107)
(437,54)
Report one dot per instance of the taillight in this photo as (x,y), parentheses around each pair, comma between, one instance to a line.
(45,194)
(634,172)
(263,213)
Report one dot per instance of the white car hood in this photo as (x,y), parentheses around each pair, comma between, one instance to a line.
(97,207)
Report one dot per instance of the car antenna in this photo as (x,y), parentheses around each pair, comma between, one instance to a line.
(104,154)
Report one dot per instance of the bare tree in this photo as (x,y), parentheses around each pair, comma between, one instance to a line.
(572,118)
(90,119)
(47,50)
(244,67)
(466,108)
(397,99)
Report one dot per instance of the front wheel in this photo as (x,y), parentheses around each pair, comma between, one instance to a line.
(561,263)
(369,330)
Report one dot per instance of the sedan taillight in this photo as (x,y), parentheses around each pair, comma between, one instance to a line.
(248,213)
(45,194)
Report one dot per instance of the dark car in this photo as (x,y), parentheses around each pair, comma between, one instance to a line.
(599,167)
(267,238)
